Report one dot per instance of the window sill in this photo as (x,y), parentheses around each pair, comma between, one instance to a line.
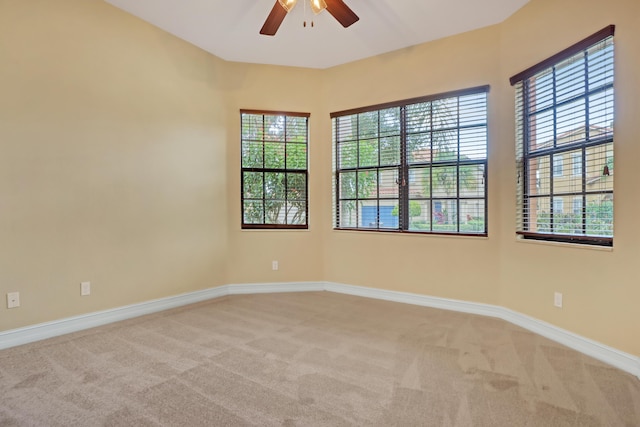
(479,236)
(271,230)
(521,239)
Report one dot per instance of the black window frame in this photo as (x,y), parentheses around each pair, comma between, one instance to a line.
(403,168)
(286,195)
(526,125)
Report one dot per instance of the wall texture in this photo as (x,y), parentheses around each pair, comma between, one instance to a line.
(113,161)
(299,253)
(600,288)
(120,164)
(451,267)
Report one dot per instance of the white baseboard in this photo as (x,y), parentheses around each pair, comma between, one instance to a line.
(41,331)
(416,299)
(15,337)
(621,360)
(625,361)
(269,288)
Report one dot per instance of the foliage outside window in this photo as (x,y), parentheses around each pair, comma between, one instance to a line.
(274,169)
(564,122)
(417,165)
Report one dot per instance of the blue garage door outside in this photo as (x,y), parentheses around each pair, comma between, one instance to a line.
(387,220)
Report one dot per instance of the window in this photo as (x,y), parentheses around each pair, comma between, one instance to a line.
(557,165)
(576,159)
(417,165)
(564,110)
(558,205)
(274,169)
(577,205)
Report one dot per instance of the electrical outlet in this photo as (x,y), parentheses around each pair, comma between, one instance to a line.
(13,299)
(274,265)
(557,299)
(85,288)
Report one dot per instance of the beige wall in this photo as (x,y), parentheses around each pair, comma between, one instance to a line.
(452,267)
(299,253)
(600,288)
(120,165)
(112,161)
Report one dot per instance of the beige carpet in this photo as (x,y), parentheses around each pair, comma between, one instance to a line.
(310,359)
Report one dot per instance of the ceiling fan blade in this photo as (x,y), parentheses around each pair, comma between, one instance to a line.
(341,12)
(274,20)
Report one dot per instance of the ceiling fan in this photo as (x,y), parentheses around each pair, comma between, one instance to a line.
(337,8)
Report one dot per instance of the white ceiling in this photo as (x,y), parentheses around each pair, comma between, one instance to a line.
(230,29)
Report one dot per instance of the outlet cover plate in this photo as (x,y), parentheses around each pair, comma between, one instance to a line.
(557,299)
(13,299)
(85,288)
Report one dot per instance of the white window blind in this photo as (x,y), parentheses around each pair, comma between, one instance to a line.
(564,137)
(417,165)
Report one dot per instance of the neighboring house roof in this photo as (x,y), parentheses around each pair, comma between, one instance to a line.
(593,179)
(579,132)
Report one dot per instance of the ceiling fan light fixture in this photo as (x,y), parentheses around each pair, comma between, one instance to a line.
(287,4)
(318,6)
(336,8)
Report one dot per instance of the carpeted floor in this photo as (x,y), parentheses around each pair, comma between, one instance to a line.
(310,359)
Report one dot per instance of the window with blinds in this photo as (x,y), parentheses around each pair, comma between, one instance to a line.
(564,144)
(417,165)
(274,169)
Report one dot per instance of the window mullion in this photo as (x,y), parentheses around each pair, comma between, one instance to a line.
(286,197)
(457,213)
(357,189)
(263,141)
(403,175)
(286,176)
(264,185)
(583,151)
(525,155)
(264,196)
(431,204)
(587,92)
(337,169)
(378,170)
(552,155)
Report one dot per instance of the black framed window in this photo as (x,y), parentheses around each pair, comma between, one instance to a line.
(274,169)
(564,144)
(418,165)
